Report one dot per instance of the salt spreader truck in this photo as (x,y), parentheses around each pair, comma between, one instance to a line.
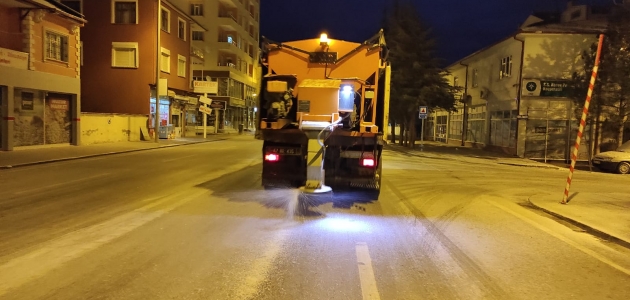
(323,113)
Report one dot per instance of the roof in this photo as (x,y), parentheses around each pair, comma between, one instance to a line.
(60,6)
(594,25)
(597,24)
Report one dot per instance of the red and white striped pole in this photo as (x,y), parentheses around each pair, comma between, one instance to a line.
(583,120)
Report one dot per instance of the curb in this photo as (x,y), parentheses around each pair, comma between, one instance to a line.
(585,227)
(101,154)
(529,166)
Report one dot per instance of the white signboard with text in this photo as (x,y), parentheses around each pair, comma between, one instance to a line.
(209,87)
(13,59)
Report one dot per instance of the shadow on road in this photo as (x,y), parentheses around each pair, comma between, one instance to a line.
(245,186)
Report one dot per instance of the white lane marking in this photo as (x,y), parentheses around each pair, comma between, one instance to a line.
(260,268)
(54,253)
(31,190)
(178,158)
(366,273)
(562,238)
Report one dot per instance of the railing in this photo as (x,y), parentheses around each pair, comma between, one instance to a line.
(228,15)
(224,64)
(194,51)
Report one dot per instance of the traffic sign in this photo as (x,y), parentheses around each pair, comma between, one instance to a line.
(422,112)
(204,100)
(204,109)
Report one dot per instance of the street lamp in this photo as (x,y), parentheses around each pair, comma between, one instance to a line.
(158,57)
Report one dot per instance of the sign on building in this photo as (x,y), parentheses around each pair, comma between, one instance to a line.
(546,88)
(218,104)
(209,87)
(13,59)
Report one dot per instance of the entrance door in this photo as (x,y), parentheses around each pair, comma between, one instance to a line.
(57,123)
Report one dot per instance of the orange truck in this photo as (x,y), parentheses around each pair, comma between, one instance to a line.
(323,113)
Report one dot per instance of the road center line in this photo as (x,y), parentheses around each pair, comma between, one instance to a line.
(366,273)
(178,158)
(69,182)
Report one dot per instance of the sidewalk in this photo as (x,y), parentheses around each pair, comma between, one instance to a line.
(605,215)
(52,153)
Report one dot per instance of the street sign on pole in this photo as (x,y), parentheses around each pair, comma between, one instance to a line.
(205,100)
(204,109)
(422,112)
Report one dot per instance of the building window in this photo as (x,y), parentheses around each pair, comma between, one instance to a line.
(181,66)
(196,9)
(181,29)
(455,81)
(506,67)
(166,20)
(165,63)
(56,46)
(197,35)
(124,55)
(475,78)
(124,12)
(74,4)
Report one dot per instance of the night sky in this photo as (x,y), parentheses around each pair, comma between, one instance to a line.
(461,27)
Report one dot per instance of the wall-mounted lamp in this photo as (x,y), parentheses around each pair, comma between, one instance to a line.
(323,39)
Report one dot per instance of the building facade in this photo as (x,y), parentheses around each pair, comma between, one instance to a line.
(40,73)
(231,50)
(120,70)
(515,94)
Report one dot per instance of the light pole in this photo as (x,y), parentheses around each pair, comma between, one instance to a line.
(158,57)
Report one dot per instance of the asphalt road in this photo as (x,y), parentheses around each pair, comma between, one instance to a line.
(192,222)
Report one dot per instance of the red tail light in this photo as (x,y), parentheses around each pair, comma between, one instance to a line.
(367,162)
(272,157)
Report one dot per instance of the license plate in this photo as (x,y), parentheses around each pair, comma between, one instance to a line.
(284,150)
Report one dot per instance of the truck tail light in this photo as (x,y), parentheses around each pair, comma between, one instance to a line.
(272,157)
(367,162)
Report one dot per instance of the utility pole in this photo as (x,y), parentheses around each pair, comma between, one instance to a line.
(158,57)
(565,197)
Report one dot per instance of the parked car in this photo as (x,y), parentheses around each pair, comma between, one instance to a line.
(617,161)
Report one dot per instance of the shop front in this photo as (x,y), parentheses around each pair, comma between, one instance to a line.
(35,117)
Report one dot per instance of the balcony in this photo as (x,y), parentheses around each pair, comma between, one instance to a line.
(196,53)
(228,21)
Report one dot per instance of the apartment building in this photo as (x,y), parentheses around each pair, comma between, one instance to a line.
(40,72)
(515,94)
(120,69)
(231,49)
